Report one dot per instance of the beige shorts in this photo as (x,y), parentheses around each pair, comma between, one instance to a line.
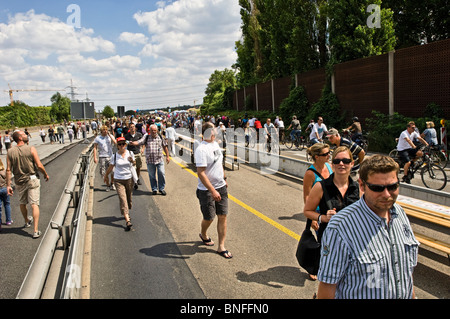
(30,192)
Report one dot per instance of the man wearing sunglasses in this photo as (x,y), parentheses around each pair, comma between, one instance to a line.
(368,248)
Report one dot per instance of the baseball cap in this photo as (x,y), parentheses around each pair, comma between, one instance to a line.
(332,131)
(120,139)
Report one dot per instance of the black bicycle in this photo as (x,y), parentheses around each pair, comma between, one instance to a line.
(299,141)
(433,176)
(270,147)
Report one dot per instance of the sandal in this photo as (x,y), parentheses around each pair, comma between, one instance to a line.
(226,254)
(129,225)
(207,242)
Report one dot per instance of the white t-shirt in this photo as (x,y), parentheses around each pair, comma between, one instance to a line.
(319,129)
(402,143)
(122,169)
(104,146)
(210,155)
(171,134)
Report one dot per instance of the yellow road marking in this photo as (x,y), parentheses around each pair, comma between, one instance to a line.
(250,209)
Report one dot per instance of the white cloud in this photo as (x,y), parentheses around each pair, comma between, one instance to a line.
(101,67)
(181,44)
(196,32)
(133,38)
(41,35)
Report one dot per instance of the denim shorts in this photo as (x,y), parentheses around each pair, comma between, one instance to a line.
(209,207)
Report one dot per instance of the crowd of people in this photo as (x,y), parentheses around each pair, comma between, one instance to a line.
(355,221)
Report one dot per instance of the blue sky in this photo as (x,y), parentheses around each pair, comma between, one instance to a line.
(141,54)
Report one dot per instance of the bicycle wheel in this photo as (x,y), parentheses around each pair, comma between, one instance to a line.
(289,142)
(439,158)
(301,144)
(251,142)
(394,155)
(433,176)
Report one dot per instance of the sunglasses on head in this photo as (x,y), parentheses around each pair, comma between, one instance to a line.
(380,188)
(343,160)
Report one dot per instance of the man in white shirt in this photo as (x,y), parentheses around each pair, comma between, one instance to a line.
(317,131)
(407,151)
(103,153)
(212,188)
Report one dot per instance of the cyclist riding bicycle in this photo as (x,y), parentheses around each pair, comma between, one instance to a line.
(358,153)
(317,131)
(269,128)
(296,128)
(355,130)
(408,152)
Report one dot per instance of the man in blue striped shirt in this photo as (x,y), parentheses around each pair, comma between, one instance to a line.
(369,249)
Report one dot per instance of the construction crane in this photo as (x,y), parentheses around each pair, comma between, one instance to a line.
(10,91)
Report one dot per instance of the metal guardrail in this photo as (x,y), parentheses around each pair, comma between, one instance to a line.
(72,236)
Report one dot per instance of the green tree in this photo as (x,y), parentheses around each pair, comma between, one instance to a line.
(327,107)
(60,109)
(296,104)
(417,22)
(280,37)
(354,35)
(219,91)
(108,112)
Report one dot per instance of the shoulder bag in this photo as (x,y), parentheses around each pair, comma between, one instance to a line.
(308,249)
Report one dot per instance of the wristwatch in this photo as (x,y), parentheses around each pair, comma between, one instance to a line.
(319,219)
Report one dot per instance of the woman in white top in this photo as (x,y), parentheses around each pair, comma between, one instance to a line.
(122,162)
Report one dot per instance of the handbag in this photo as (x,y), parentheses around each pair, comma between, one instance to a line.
(308,251)
(133,172)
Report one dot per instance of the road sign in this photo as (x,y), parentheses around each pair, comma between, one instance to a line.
(82,110)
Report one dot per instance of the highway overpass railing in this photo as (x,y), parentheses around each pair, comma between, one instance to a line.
(60,232)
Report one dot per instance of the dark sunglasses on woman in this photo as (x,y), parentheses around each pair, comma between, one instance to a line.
(343,160)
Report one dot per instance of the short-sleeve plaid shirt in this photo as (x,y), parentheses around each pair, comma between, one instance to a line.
(153,148)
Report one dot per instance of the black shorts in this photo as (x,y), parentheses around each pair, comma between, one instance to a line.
(406,155)
(209,207)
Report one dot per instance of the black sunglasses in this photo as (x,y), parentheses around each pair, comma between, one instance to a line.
(380,188)
(343,160)
(121,144)
(324,154)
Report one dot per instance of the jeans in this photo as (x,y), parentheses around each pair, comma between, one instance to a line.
(295,133)
(152,170)
(4,198)
(61,137)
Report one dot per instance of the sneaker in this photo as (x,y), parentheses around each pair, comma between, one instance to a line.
(37,234)
(9,223)
(139,181)
(29,222)
(107,188)
(163,192)
(406,180)
(113,188)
